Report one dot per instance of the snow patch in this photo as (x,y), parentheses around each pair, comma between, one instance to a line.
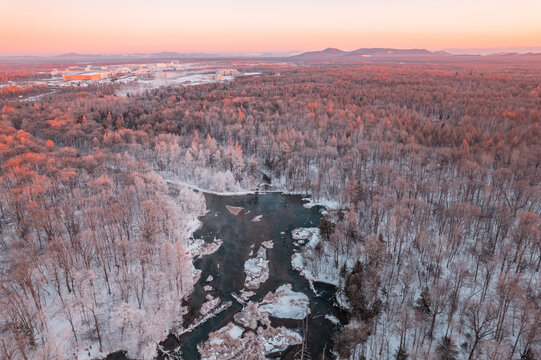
(256,269)
(284,303)
(198,247)
(310,234)
(268,244)
(332,319)
(259,339)
(280,340)
(315,263)
(327,203)
(209,305)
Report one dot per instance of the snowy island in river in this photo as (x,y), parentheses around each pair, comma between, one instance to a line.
(251,332)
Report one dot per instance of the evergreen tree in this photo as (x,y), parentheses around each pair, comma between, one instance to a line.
(422,304)
(527,355)
(401,354)
(326,228)
(446,349)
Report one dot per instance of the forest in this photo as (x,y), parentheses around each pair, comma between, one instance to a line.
(431,175)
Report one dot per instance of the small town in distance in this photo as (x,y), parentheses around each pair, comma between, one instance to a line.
(131,76)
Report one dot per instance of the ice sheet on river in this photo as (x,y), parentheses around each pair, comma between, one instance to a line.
(285,303)
(250,336)
(198,247)
(257,269)
(227,343)
(257,218)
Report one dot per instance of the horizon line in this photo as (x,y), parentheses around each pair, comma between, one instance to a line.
(286,53)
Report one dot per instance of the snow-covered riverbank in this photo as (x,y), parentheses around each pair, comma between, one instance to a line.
(315,260)
(142,317)
(310,200)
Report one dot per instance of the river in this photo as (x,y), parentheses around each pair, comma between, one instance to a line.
(280,215)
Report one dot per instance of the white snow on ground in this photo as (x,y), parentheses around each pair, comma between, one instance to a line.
(245,295)
(284,303)
(310,234)
(259,339)
(257,218)
(203,318)
(316,263)
(230,331)
(256,269)
(221,193)
(280,340)
(92,352)
(185,77)
(198,247)
(193,224)
(342,300)
(327,203)
(280,188)
(250,317)
(268,244)
(262,252)
(209,305)
(238,298)
(235,210)
(235,332)
(316,269)
(149,323)
(222,344)
(332,319)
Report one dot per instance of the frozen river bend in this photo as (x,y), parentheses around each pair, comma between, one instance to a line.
(262,301)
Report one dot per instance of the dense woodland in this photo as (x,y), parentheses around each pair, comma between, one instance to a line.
(435,170)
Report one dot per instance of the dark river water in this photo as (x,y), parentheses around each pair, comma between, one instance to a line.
(281,214)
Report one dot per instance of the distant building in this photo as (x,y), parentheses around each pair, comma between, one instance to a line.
(144,75)
(83,77)
(123,70)
(55,73)
(227,72)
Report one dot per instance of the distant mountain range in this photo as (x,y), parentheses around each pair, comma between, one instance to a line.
(73,57)
(409,55)
(326,55)
(366,53)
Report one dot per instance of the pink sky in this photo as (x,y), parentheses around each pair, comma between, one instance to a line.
(38,27)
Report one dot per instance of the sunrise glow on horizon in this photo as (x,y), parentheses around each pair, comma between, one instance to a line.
(35,27)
